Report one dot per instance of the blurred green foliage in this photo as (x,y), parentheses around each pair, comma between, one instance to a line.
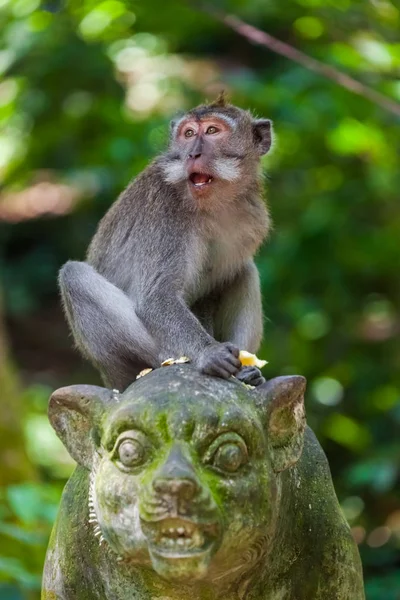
(86,91)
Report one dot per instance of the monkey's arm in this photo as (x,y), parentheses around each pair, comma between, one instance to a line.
(164,313)
(171,323)
(238,317)
(176,330)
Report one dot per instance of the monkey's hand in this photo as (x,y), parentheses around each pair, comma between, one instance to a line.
(220,360)
(250,375)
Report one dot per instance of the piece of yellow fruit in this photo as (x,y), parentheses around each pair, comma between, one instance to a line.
(143,373)
(175,361)
(250,360)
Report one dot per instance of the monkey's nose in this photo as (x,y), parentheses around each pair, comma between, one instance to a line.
(194,155)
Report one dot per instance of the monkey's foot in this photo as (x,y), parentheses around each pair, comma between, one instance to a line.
(250,376)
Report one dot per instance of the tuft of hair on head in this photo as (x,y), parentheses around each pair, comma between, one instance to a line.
(221,100)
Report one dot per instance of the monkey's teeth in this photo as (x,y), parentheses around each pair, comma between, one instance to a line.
(201,183)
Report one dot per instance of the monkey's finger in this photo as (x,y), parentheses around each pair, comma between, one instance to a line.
(218,371)
(232,349)
(257,382)
(250,372)
(235,362)
(215,370)
(228,366)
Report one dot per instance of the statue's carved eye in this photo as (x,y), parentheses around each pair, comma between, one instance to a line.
(131,450)
(228,453)
(229,457)
(131,453)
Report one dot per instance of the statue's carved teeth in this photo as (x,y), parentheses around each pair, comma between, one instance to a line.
(177,536)
(177,532)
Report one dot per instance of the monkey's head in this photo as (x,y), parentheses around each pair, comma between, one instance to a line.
(184,468)
(214,147)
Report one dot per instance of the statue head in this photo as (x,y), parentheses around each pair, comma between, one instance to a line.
(184,467)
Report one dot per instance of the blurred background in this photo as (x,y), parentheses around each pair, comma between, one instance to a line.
(87,88)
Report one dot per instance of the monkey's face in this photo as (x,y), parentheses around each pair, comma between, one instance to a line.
(206,152)
(214,149)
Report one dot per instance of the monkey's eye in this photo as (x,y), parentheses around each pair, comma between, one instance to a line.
(211,130)
(189,133)
(131,450)
(228,453)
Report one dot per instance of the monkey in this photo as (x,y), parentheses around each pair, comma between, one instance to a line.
(170,270)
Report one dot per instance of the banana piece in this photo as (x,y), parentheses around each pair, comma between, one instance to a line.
(143,373)
(250,360)
(175,361)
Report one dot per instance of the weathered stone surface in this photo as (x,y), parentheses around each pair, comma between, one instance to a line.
(192,487)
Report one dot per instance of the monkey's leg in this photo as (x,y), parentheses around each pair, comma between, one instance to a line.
(105,326)
(238,318)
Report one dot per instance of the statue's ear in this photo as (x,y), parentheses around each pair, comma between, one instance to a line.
(262,135)
(74,413)
(282,402)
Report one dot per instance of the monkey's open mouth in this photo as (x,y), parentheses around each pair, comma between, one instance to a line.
(200,179)
(177,538)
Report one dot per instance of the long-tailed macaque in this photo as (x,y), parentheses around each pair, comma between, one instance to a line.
(170,270)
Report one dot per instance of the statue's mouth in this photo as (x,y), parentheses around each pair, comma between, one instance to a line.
(179,538)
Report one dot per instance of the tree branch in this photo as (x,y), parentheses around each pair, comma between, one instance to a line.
(257,36)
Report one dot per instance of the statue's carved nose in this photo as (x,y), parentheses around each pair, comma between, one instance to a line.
(176,478)
(183,488)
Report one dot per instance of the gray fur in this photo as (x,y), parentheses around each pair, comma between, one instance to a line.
(169,273)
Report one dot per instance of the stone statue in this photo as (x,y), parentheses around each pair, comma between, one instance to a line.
(191,487)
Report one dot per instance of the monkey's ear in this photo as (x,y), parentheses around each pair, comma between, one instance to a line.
(282,403)
(174,122)
(74,412)
(262,135)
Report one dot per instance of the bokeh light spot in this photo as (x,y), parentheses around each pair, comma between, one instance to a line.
(352,507)
(78,104)
(347,432)
(22,8)
(379,537)
(327,391)
(309,27)
(313,325)
(358,534)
